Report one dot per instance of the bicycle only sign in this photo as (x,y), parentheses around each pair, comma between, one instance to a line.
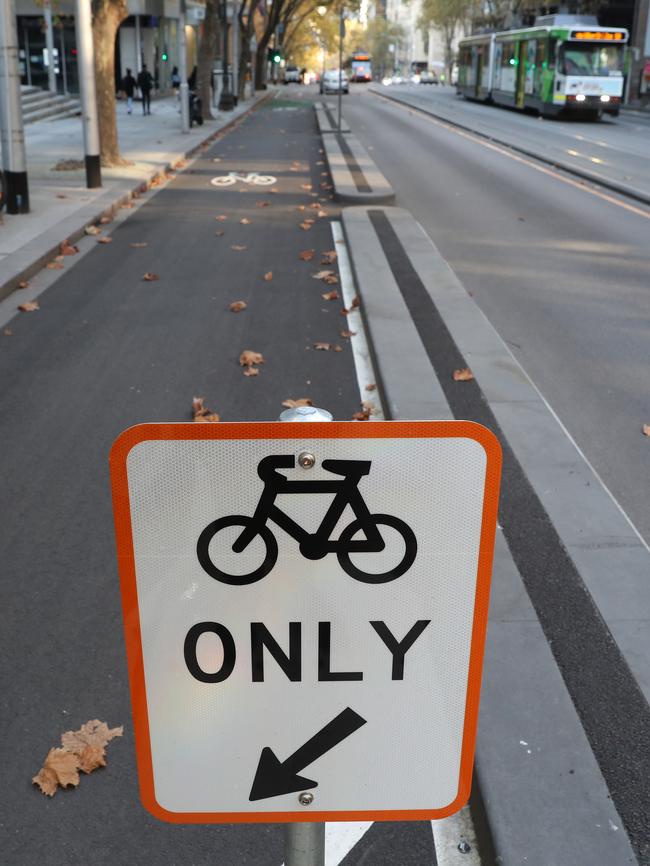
(305,609)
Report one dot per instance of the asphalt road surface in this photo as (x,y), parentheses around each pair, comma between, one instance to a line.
(108,350)
(560,271)
(614,149)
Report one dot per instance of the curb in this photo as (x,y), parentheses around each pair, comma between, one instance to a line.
(584,174)
(35,254)
(355,177)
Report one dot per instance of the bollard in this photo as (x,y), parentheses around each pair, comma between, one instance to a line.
(304,844)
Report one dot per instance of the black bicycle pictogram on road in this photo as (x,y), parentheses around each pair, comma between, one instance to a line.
(312,545)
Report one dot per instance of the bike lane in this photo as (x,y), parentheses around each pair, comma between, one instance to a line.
(108,349)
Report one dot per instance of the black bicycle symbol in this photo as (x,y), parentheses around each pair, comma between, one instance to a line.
(312,545)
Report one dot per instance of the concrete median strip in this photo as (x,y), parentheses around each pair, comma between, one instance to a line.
(327,119)
(560,758)
(356,178)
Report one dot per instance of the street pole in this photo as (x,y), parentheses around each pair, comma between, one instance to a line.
(14,161)
(86,67)
(226,101)
(341,35)
(235,52)
(49,44)
(304,844)
(183,90)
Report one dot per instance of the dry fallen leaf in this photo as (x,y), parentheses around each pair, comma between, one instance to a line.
(330,296)
(105,220)
(92,230)
(220,233)
(268,276)
(91,758)
(248,358)
(323,347)
(150,277)
(28,307)
(262,204)
(348,333)
(201,413)
(363,415)
(646,429)
(306,186)
(138,245)
(306,225)
(314,205)
(306,255)
(245,221)
(93,733)
(464,375)
(237,306)
(68,249)
(61,195)
(320,275)
(355,302)
(301,401)
(23,284)
(54,266)
(238,247)
(221,217)
(371,386)
(126,205)
(105,240)
(8,332)
(322,213)
(60,768)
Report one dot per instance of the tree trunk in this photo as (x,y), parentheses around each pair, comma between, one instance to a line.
(246,11)
(207,53)
(261,63)
(107,17)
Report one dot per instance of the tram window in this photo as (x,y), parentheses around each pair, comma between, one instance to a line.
(583,58)
(540,54)
(508,56)
(552,53)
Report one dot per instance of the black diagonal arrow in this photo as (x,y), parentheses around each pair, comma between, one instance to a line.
(274,777)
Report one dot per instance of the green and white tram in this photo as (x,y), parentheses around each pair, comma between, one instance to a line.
(561,64)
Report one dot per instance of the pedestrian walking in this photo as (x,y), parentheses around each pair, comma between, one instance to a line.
(128,87)
(176,80)
(145,83)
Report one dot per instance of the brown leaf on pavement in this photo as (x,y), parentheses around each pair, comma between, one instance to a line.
(306,186)
(322,213)
(306,225)
(245,221)
(92,230)
(23,284)
(106,240)
(238,247)
(237,306)
(127,205)
(346,333)
(371,386)
(464,375)
(8,332)
(105,220)
(323,347)
(274,190)
(221,218)
(248,358)
(54,266)
(201,413)
(91,758)
(268,276)
(93,733)
(294,404)
(355,302)
(68,249)
(302,207)
(220,233)
(262,204)
(60,768)
(150,277)
(306,255)
(646,429)
(251,371)
(28,307)
(138,245)
(321,275)
(330,296)
(314,205)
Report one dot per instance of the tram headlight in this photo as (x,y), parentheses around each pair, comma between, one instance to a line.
(604,97)
(580,97)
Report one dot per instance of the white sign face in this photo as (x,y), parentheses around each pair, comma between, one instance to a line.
(315,629)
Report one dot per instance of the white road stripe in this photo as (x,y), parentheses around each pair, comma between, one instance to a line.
(354,322)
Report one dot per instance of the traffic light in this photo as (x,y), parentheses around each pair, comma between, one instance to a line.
(164,56)
(275,55)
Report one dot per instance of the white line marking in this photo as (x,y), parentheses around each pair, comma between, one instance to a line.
(340,839)
(354,322)
(448,833)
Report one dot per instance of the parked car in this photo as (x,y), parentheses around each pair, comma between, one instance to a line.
(334,80)
(427,76)
(291,75)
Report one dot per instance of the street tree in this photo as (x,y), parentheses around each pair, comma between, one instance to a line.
(207,53)
(107,17)
(449,17)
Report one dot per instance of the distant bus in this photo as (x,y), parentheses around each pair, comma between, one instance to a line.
(564,63)
(360,67)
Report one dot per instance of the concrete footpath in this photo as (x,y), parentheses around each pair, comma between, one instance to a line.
(61,206)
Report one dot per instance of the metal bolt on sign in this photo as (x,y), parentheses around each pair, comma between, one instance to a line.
(304,844)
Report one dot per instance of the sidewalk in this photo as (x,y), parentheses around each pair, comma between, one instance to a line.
(61,206)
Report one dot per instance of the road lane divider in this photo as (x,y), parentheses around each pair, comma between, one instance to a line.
(356,178)
(563,715)
(327,119)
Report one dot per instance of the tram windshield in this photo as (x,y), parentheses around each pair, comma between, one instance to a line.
(584,58)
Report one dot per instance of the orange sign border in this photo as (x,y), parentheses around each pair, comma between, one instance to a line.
(301,431)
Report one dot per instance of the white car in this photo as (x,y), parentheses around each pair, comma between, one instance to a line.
(292,75)
(333,81)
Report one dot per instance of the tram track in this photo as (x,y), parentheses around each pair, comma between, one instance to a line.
(559,165)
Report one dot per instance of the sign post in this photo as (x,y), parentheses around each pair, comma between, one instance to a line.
(305,609)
